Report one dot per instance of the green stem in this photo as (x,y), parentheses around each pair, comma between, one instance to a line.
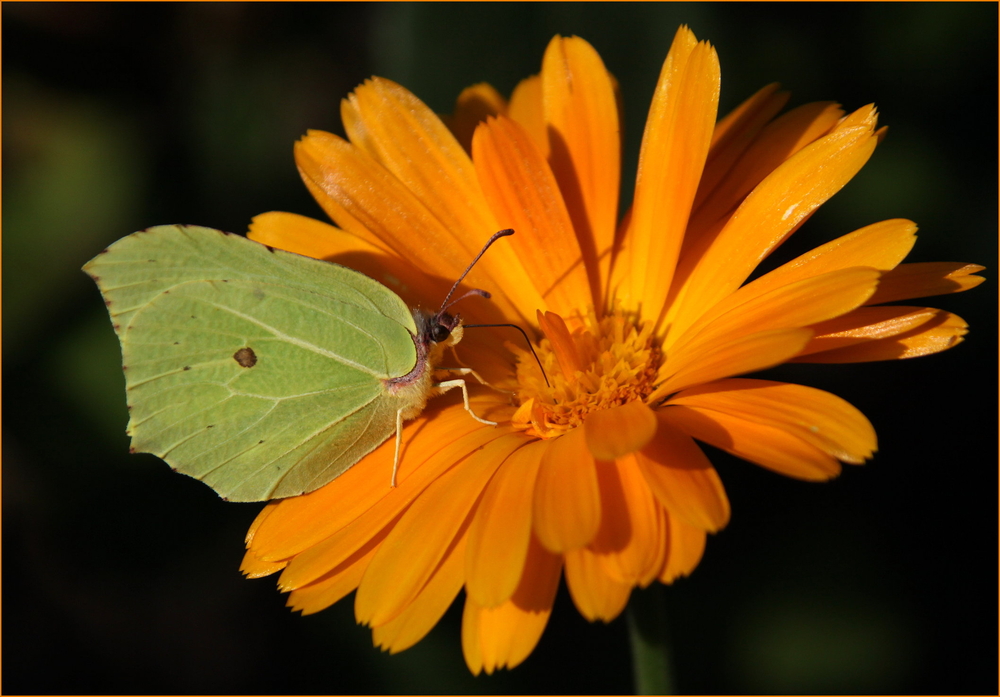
(652,666)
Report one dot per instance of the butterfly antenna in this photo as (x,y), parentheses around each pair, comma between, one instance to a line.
(483,293)
(526,340)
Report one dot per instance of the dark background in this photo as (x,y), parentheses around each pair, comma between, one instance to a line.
(120,577)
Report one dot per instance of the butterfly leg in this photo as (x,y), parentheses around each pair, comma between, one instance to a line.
(399,443)
(448,384)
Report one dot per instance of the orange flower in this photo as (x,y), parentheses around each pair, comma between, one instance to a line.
(593,470)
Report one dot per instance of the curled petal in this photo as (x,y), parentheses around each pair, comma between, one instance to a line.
(944,331)
(612,433)
(921,280)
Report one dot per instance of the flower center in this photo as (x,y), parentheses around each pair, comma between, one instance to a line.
(601,364)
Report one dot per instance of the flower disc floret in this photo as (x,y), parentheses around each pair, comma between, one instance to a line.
(603,363)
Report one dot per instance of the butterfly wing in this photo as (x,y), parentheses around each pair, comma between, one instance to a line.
(257,371)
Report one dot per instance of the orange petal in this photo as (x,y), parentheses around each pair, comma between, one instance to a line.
(581,112)
(879,246)
(735,131)
(473,105)
(524,195)
(867,323)
(687,545)
(526,108)
(503,636)
(819,418)
(674,148)
(612,433)
(253,567)
(426,532)
(567,504)
(683,480)
(768,215)
(921,280)
(744,355)
(632,537)
(596,595)
(943,332)
(778,141)
(430,447)
(419,617)
(306,236)
(769,447)
(336,584)
(409,140)
(797,304)
(369,202)
(499,535)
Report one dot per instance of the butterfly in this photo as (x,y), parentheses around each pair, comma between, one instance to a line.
(263,373)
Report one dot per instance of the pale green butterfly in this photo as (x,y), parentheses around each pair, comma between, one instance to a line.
(263,373)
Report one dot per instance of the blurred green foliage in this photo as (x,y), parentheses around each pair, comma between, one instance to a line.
(120,577)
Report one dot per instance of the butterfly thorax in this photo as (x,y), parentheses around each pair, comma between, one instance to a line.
(435,333)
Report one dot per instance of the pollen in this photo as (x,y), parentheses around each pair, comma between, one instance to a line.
(600,364)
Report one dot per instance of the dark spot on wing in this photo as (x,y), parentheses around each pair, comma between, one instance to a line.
(187,367)
(210,426)
(259,442)
(246,357)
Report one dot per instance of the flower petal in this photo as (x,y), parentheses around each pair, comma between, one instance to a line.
(798,304)
(734,133)
(687,545)
(921,280)
(943,332)
(743,355)
(526,108)
(879,246)
(501,530)
(769,447)
(306,236)
(337,583)
(503,636)
(596,595)
(769,214)
(432,443)
(819,418)
(632,537)
(865,324)
(419,617)
(778,141)
(683,480)
(425,534)
(567,504)
(581,112)
(524,195)
(612,433)
(674,148)
(473,105)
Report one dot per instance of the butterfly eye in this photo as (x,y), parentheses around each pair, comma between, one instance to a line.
(439,333)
